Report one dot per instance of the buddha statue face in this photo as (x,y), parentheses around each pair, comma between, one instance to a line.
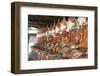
(71,23)
(82,21)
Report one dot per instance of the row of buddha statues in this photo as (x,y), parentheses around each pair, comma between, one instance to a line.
(66,37)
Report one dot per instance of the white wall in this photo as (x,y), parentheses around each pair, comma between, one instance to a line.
(5,33)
